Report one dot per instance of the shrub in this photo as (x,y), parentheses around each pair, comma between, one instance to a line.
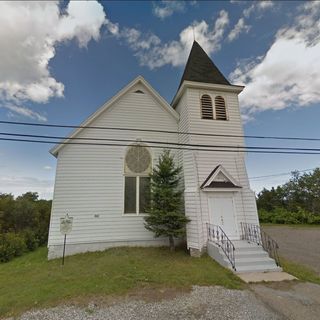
(11,245)
(284,216)
(316,220)
(31,240)
(265,216)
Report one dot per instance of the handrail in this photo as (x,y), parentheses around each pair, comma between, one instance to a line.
(218,236)
(253,233)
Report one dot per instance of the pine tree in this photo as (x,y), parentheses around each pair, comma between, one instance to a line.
(165,215)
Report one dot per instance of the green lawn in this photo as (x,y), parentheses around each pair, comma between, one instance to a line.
(300,271)
(32,281)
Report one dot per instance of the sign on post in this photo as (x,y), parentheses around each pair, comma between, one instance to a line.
(65,228)
(66,224)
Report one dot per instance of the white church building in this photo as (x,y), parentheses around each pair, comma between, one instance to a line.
(103,169)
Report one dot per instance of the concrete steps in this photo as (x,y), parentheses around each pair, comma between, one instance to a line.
(249,257)
(253,261)
(258,268)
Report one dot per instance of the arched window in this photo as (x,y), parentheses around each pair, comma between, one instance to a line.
(206,107)
(137,167)
(220,106)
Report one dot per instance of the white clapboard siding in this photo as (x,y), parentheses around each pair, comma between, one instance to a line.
(89,181)
(199,164)
(191,194)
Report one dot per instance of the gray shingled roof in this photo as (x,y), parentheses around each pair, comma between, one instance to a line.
(200,68)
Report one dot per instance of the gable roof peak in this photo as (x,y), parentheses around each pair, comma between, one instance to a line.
(107,105)
(219,178)
(200,68)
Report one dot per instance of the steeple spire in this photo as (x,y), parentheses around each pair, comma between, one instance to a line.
(200,68)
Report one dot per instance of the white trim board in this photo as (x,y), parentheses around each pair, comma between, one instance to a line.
(212,176)
(204,86)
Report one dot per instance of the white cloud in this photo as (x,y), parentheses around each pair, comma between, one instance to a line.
(15,110)
(47,168)
(19,185)
(237,29)
(246,118)
(287,75)
(263,4)
(258,6)
(153,53)
(241,26)
(166,8)
(29,33)
(83,20)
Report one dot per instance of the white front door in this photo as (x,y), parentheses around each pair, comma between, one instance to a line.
(222,213)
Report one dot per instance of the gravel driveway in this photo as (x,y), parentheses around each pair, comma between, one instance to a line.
(293,300)
(201,303)
(298,244)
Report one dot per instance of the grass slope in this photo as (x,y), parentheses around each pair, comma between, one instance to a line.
(297,226)
(300,271)
(32,281)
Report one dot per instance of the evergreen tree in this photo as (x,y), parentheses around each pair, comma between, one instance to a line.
(165,215)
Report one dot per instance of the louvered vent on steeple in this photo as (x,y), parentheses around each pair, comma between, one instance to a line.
(206,107)
(220,106)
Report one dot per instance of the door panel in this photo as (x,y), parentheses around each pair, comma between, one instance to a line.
(222,213)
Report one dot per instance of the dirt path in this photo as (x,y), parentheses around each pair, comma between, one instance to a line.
(298,244)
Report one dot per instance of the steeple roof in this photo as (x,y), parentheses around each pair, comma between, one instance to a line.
(200,68)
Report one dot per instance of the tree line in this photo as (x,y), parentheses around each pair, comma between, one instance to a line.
(24,224)
(296,201)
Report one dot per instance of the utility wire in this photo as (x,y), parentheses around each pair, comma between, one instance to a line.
(280,174)
(159,142)
(158,131)
(158,146)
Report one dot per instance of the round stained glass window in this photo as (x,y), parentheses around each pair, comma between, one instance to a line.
(138,159)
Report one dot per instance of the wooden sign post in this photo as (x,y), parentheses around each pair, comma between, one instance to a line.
(65,228)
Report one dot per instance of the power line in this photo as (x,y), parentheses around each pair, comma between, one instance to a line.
(280,174)
(160,142)
(158,131)
(159,146)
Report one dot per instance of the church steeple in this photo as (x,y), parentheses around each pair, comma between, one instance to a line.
(200,68)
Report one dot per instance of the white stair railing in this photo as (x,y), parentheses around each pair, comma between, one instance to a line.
(218,236)
(253,233)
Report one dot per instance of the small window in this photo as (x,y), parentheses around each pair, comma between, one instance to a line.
(144,194)
(206,107)
(139,91)
(130,195)
(220,106)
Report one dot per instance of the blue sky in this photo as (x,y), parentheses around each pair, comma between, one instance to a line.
(63,60)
